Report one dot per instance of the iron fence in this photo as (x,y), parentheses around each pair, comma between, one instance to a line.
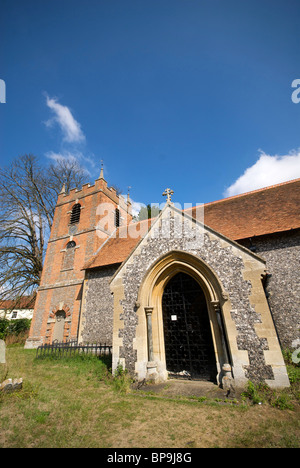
(72,348)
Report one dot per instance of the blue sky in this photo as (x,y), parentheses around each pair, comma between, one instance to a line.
(189,94)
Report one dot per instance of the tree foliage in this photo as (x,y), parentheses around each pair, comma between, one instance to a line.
(13,327)
(28,195)
(148,212)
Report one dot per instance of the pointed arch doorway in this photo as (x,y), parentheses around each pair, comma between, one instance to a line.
(189,348)
(205,297)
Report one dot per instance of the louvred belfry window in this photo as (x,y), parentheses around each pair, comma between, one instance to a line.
(75,215)
(117,217)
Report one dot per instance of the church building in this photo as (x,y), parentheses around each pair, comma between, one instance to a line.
(208,293)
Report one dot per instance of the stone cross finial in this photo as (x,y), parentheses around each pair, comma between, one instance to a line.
(167,193)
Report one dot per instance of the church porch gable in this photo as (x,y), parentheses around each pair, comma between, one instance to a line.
(231,280)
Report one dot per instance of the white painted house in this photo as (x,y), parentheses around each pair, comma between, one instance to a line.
(11,309)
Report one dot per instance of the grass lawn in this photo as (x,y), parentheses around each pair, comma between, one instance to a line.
(78,404)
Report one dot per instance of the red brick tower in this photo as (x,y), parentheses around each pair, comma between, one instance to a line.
(83,220)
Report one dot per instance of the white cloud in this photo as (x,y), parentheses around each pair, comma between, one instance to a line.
(66,156)
(268,170)
(136,207)
(70,128)
(73,157)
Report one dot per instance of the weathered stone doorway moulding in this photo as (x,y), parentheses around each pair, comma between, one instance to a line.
(151,361)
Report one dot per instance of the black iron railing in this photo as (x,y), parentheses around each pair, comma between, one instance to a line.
(72,348)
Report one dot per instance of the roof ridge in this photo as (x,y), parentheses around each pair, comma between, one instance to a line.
(247,193)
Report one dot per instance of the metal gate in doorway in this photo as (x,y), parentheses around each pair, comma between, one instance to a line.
(188,340)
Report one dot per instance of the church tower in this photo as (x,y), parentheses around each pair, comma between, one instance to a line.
(83,220)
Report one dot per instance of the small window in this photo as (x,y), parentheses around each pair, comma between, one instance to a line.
(14,315)
(75,215)
(117,217)
(71,245)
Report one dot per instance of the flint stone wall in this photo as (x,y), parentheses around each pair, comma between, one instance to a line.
(98,314)
(282,253)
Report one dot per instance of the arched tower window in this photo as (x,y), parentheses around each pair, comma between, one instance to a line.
(69,256)
(75,215)
(71,245)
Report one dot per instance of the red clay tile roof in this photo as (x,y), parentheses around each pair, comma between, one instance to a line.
(25,302)
(116,249)
(264,211)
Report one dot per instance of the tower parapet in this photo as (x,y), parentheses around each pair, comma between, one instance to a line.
(73,240)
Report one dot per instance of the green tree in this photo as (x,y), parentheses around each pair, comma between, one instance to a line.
(148,211)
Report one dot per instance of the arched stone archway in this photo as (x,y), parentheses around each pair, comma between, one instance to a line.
(59,326)
(151,346)
(58,323)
